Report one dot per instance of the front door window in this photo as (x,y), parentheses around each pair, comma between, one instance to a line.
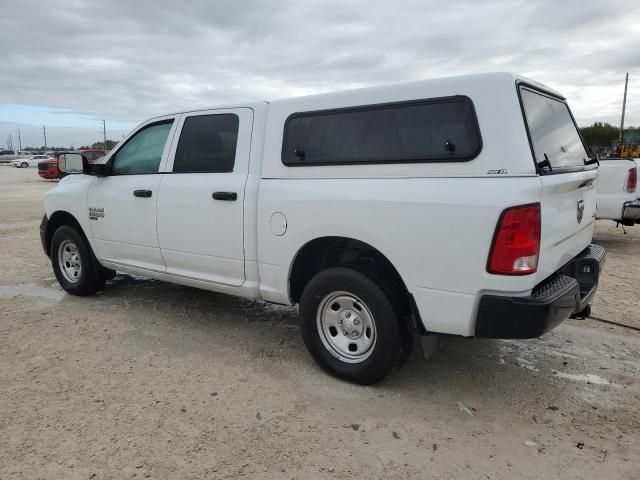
(142,152)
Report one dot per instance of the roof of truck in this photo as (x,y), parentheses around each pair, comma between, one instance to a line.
(454,81)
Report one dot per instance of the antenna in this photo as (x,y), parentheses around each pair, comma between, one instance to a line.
(624,107)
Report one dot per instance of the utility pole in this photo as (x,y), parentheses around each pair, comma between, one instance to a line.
(10,142)
(104,133)
(624,107)
(19,141)
(44,134)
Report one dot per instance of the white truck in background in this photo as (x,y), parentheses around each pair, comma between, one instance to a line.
(618,196)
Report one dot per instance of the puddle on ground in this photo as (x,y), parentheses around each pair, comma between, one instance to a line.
(31,290)
(582,377)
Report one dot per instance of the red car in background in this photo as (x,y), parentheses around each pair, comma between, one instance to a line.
(93,154)
(48,169)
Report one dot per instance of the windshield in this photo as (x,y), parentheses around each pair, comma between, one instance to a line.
(553,132)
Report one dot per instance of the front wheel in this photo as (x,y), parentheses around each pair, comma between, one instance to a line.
(351,327)
(24,165)
(73,262)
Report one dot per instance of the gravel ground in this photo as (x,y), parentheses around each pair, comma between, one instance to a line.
(151,380)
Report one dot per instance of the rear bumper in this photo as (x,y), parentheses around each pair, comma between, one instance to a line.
(631,211)
(565,293)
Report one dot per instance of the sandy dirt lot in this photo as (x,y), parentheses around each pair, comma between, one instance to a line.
(151,380)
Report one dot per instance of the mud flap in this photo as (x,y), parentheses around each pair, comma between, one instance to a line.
(429,345)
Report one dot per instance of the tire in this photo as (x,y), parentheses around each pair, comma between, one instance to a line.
(373,338)
(24,165)
(401,307)
(74,265)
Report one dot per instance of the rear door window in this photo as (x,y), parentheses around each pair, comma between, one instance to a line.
(207,144)
(552,130)
(434,130)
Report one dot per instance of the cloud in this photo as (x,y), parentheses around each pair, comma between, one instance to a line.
(128,60)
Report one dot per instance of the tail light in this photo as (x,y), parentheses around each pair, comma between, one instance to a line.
(516,242)
(632,180)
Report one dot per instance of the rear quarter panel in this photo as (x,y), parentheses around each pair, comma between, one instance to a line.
(437,232)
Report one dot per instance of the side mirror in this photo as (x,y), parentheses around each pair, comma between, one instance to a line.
(97,169)
(70,163)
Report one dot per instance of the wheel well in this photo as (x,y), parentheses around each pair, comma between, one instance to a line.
(57,220)
(327,252)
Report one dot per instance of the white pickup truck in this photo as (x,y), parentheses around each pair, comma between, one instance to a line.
(462,206)
(618,197)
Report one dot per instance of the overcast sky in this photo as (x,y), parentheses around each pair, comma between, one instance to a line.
(73,63)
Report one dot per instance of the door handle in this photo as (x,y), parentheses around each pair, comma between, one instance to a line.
(142,193)
(228,196)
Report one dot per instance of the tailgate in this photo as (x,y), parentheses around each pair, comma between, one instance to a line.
(568,205)
(568,177)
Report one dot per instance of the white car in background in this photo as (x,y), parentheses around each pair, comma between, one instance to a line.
(31,161)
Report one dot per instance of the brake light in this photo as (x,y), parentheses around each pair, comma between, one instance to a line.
(632,180)
(516,242)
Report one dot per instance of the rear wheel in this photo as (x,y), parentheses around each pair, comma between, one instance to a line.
(351,327)
(24,165)
(73,263)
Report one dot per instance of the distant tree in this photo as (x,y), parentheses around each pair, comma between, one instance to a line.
(600,134)
(110,144)
(41,148)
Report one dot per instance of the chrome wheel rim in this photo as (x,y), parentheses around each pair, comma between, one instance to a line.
(69,261)
(346,327)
